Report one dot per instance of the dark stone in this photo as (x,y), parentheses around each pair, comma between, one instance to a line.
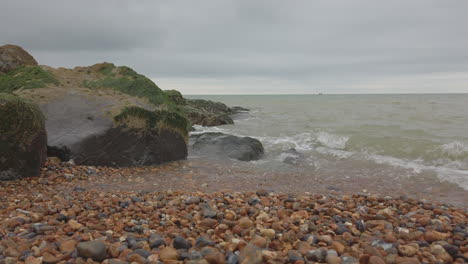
(219,145)
(23,139)
(136,199)
(292,156)
(238,109)
(202,242)
(360,225)
(181,243)
(207,211)
(62,152)
(232,259)
(253,201)
(194,255)
(92,249)
(156,241)
(294,256)
(119,147)
(62,218)
(317,255)
(341,229)
(142,252)
(452,250)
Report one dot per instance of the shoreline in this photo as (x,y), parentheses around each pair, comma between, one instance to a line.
(51,219)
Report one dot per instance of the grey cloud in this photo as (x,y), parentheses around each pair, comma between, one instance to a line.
(334,45)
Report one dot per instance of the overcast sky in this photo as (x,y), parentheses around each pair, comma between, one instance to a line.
(255,47)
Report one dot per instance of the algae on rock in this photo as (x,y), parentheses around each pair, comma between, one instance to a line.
(26,77)
(23,139)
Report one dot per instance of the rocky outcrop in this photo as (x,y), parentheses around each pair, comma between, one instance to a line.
(220,145)
(103,114)
(12,57)
(207,113)
(202,112)
(23,140)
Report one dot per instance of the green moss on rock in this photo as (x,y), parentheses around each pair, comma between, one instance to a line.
(19,119)
(25,77)
(159,119)
(175,96)
(127,81)
(23,140)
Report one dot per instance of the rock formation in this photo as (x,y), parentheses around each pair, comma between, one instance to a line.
(12,57)
(220,145)
(23,140)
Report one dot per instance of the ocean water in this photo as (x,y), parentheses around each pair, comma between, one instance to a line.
(423,137)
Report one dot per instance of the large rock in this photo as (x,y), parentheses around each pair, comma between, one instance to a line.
(207,113)
(23,140)
(12,57)
(220,145)
(108,116)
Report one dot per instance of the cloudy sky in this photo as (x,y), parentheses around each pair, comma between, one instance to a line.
(255,47)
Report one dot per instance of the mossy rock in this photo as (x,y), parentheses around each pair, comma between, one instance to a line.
(207,113)
(176,97)
(26,77)
(139,118)
(12,57)
(139,137)
(126,80)
(23,139)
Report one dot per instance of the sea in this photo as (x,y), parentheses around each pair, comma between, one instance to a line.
(418,139)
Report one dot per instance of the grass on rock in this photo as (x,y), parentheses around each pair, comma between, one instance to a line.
(26,77)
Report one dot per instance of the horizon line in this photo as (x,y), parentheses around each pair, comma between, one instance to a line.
(330,93)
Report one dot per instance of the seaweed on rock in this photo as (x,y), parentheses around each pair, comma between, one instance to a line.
(137,117)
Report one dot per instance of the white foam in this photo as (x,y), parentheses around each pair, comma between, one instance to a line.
(459,177)
(202,129)
(455,148)
(341,154)
(332,140)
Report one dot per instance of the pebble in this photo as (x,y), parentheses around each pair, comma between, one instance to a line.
(92,249)
(60,222)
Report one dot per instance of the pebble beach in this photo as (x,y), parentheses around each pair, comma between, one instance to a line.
(60,218)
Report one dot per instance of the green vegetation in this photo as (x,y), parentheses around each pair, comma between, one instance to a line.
(26,77)
(19,119)
(127,81)
(155,119)
(175,96)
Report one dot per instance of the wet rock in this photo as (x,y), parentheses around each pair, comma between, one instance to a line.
(292,156)
(219,145)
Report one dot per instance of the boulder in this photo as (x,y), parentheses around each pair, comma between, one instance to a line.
(103,115)
(207,113)
(12,57)
(220,145)
(292,156)
(23,139)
